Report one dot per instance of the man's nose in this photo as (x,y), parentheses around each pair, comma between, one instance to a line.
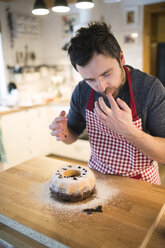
(102,85)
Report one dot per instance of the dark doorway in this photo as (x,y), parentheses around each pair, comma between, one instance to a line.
(161,62)
(154,40)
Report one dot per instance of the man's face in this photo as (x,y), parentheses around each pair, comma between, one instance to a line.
(104,74)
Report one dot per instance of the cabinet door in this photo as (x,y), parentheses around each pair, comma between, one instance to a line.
(15,137)
(38,131)
(25,134)
(79,150)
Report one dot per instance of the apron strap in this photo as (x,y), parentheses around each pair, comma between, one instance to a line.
(91,100)
(131,98)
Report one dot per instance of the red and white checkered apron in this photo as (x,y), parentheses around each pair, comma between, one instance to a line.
(111,153)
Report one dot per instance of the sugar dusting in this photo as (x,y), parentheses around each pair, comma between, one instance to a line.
(103,195)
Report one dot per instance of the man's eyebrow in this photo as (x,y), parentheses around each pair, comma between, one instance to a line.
(106,72)
(102,74)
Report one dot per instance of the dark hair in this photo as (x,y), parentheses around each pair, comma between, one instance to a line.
(97,37)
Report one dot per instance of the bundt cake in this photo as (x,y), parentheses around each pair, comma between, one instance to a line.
(72,183)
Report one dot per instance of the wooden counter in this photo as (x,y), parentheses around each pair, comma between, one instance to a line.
(127,214)
(11,110)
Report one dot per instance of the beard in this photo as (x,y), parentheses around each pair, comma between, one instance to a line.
(115,91)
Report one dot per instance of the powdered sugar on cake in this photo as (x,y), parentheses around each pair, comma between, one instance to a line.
(72,180)
(104,194)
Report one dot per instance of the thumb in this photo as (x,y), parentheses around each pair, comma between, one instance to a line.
(123,105)
(62,113)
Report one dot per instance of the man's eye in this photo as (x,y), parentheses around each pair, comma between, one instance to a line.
(107,74)
(90,80)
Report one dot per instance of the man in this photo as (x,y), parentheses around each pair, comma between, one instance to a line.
(122,108)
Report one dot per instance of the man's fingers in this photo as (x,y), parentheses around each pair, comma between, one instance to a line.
(103,106)
(59,134)
(118,103)
(112,102)
(56,132)
(99,112)
(58,121)
(55,125)
(123,105)
(60,118)
(62,113)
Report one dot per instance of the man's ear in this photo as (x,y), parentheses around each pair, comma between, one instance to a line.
(122,59)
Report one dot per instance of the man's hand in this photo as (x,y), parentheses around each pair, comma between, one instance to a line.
(117,118)
(59,127)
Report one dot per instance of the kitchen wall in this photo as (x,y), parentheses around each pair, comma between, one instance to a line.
(25,48)
(47,42)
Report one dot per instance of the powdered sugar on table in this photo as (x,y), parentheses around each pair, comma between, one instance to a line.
(104,194)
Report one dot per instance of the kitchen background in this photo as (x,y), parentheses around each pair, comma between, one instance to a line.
(38,44)
(33,56)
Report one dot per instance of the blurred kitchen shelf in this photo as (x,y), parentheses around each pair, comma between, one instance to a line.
(20,69)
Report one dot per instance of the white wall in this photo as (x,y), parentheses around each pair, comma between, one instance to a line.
(51,39)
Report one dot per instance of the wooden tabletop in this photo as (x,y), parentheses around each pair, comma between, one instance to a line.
(130,208)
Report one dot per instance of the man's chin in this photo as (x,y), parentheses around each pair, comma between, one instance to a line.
(115,94)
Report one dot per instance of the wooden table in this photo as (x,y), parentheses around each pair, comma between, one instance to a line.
(125,221)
